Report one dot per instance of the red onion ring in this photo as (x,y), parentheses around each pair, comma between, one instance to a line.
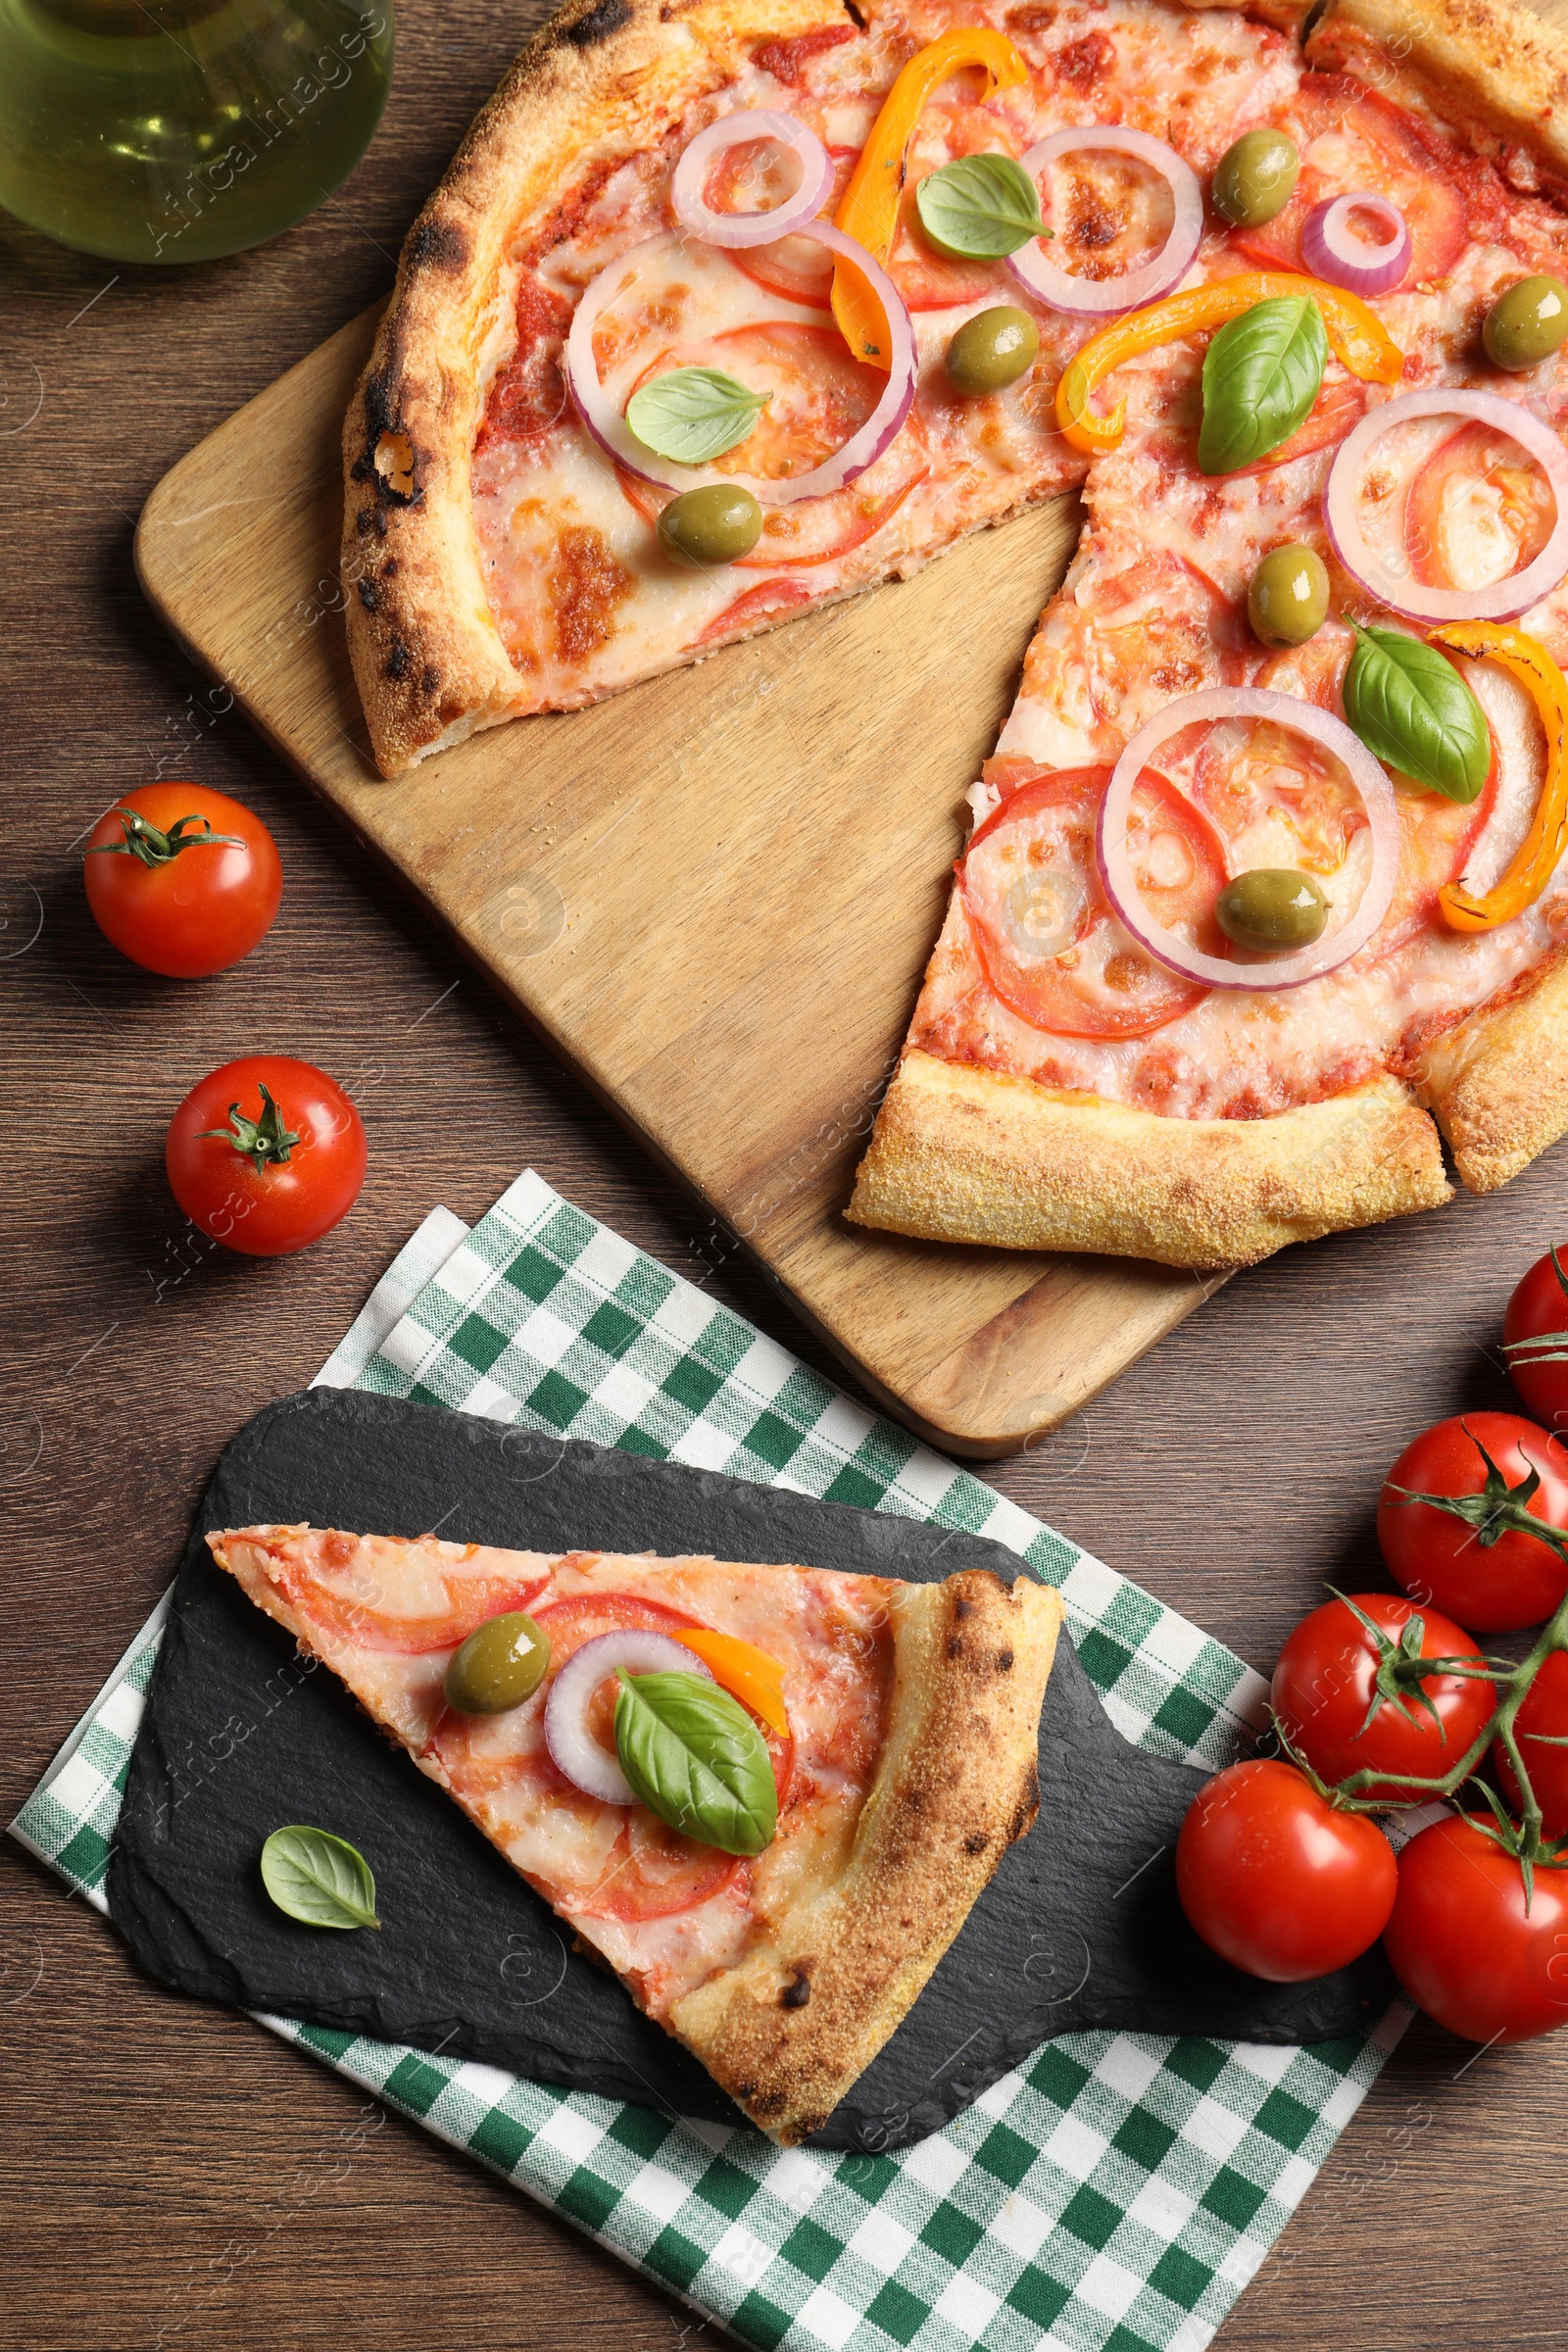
(862,449)
(573,1746)
(1280,971)
(1331,250)
(1399,591)
(750,229)
(1088,298)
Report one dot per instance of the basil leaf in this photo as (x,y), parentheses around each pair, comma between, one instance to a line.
(1262,374)
(980,208)
(697,1759)
(1414,712)
(690,414)
(319,1878)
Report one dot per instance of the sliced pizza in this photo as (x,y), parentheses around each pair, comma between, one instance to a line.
(1093,1062)
(850,1757)
(508,534)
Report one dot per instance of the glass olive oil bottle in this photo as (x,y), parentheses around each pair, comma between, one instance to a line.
(173,131)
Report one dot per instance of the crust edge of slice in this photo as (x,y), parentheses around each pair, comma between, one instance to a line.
(963,1153)
(956,1784)
(1497,73)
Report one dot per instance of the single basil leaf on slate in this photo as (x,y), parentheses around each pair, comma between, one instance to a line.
(981,208)
(690,414)
(1414,712)
(1262,374)
(319,1878)
(697,1759)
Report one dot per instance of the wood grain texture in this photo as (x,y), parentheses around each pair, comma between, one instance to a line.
(164,2163)
(715,893)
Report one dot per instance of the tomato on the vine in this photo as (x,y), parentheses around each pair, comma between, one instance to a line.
(1276,1880)
(1464,1945)
(1348,1700)
(1541,1721)
(1470,1551)
(1535,1339)
(265,1154)
(182,879)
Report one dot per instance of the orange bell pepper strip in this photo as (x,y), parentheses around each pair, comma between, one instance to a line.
(747,1673)
(1538,856)
(869,210)
(1356,335)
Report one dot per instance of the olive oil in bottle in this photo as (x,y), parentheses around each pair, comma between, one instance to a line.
(173,131)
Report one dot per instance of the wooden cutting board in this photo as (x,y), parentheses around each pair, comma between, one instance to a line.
(713,895)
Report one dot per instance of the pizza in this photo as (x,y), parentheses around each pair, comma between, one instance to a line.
(708,324)
(895,1728)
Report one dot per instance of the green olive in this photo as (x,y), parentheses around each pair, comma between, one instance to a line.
(992,350)
(1526,325)
(1287,601)
(1272,907)
(716,524)
(502,1663)
(1255,178)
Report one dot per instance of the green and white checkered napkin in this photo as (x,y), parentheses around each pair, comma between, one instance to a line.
(1115,2193)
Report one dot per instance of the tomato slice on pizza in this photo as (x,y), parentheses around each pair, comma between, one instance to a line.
(894,1729)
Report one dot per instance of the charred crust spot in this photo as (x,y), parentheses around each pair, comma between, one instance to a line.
(963,1608)
(365,520)
(397,660)
(437,245)
(797,1991)
(977,1844)
(955,1645)
(431,682)
(389,567)
(601,21)
(767,2102)
(914,1798)
(368,596)
(1028,1803)
(1003,1661)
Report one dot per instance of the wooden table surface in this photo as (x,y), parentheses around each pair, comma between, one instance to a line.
(159,2157)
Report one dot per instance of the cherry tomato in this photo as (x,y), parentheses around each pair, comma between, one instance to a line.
(1543,1717)
(1535,1334)
(1278,1882)
(1344,1703)
(265,1154)
(1475,1565)
(1463,1944)
(182,879)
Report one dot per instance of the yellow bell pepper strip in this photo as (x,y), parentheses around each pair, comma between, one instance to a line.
(1538,856)
(1356,336)
(869,210)
(744,1670)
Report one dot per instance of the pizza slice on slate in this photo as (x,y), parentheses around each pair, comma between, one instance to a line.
(1065,1083)
(889,1731)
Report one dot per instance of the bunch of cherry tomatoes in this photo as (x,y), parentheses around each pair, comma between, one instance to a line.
(1382,1701)
(266,1153)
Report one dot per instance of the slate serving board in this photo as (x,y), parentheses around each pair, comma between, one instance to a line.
(1079,1927)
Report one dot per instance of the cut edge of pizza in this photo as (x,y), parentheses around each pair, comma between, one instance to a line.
(963,1150)
(784,1975)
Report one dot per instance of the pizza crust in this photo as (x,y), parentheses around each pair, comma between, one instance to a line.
(603,79)
(961,1154)
(1498,1082)
(1497,73)
(789,2030)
